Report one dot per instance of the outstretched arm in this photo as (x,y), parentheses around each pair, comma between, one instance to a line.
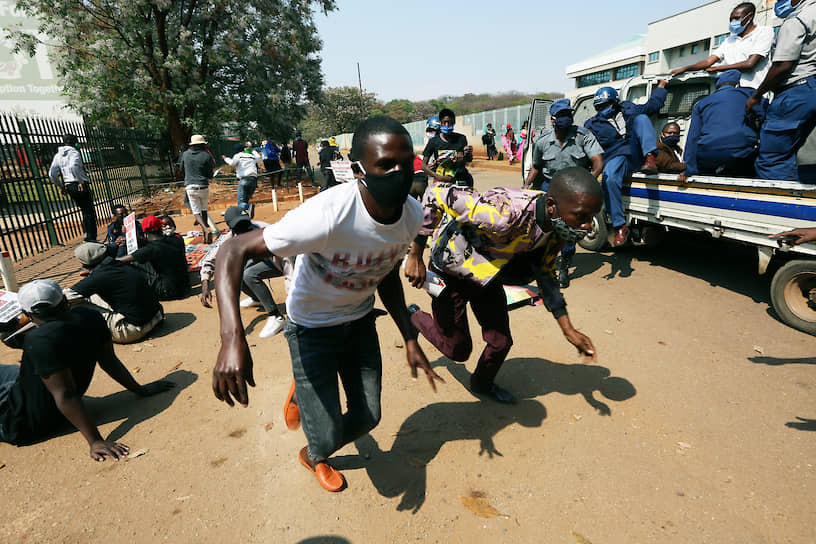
(702,65)
(393,297)
(233,369)
(113,367)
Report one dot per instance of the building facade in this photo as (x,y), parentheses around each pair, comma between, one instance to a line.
(672,42)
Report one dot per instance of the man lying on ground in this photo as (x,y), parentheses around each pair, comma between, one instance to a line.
(503,236)
(255,271)
(349,243)
(130,307)
(44,393)
(162,261)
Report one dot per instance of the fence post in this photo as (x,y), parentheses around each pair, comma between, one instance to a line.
(35,171)
(140,164)
(104,169)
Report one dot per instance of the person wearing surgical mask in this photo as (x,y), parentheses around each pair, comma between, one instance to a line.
(669,153)
(747,49)
(565,146)
(445,158)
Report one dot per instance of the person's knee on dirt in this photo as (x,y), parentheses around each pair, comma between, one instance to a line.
(130,307)
(331,330)
(626,141)
(58,362)
(162,260)
(512,236)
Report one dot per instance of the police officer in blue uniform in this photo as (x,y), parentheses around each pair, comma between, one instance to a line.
(627,136)
(792,114)
(722,139)
(566,146)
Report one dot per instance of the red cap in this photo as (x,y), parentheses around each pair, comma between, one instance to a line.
(151,223)
(509,125)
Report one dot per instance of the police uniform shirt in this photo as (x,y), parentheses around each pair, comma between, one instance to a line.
(796,42)
(579,146)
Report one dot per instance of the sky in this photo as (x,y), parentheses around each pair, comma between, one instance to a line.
(422,49)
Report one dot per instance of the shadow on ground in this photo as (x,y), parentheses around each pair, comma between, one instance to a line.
(802,424)
(402,470)
(779,361)
(173,322)
(325,540)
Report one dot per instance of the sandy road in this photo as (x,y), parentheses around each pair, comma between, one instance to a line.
(685,429)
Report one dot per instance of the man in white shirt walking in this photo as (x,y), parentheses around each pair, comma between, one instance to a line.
(747,49)
(75,182)
(246,170)
(349,242)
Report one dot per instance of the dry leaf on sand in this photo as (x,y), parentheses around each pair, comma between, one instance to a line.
(478,504)
(137,453)
(581,539)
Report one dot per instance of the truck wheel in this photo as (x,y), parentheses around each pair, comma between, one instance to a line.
(598,237)
(793,295)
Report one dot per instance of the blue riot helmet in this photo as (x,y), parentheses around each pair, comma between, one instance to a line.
(433,124)
(605,96)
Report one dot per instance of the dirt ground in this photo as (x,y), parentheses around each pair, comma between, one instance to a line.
(695,424)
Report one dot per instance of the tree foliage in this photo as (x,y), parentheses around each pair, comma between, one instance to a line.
(337,111)
(184,65)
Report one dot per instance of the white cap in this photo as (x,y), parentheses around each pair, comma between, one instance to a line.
(197,139)
(39,293)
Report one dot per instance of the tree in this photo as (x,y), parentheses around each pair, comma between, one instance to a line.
(183,65)
(337,111)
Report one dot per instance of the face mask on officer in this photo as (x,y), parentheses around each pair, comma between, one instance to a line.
(430,134)
(562,121)
(607,112)
(784,8)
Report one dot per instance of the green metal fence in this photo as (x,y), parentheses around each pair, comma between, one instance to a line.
(34,214)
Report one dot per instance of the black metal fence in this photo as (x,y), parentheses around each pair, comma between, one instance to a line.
(34,214)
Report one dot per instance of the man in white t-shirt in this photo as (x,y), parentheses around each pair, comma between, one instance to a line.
(747,49)
(349,242)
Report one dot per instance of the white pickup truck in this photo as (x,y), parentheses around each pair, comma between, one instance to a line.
(740,209)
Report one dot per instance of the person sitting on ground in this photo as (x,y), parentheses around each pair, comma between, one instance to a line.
(196,164)
(722,140)
(566,146)
(628,139)
(502,236)
(669,153)
(350,242)
(449,152)
(747,49)
(246,170)
(44,393)
(169,227)
(115,239)
(162,261)
(130,307)
(255,271)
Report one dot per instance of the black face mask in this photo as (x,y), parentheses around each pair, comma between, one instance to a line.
(389,190)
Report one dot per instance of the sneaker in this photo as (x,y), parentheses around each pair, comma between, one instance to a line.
(273,326)
(650,165)
(249,303)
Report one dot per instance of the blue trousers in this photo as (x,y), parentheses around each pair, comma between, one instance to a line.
(616,169)
(791,118)
(319,355)
(246,188)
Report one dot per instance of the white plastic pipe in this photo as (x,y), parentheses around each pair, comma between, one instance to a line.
(7,271)
(300,192)
(275,199)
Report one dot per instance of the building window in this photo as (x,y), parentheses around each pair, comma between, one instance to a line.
(682,51)
(594,78)
(654,57)
(720,39)
(625,72)
(695,48)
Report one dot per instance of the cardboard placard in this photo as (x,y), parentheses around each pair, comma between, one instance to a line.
(342,171)
(130,233)
(9,307)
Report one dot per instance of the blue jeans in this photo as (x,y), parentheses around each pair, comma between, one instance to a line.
(319,355)
(643,138)
(8,375)
(791,118)
(615,170)
(246,188)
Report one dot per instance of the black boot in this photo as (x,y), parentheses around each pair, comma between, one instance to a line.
(563,271)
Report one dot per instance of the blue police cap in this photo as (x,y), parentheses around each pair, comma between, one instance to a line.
(562,104)
(729,76)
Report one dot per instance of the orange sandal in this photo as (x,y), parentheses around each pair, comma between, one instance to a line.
(327,476)
(291,413)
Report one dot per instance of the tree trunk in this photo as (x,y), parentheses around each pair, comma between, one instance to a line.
(179,133)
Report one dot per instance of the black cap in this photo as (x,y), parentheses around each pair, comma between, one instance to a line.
(235,215)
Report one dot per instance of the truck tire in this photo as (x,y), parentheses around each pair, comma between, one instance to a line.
(598,237)
(793,295)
